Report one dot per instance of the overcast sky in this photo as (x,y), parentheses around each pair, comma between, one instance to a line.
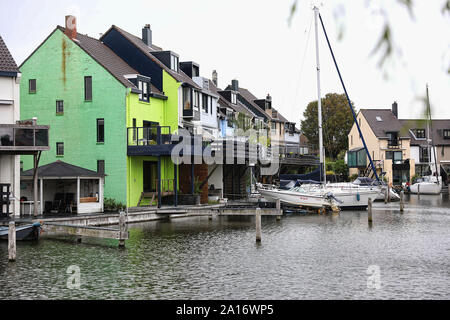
(251,41)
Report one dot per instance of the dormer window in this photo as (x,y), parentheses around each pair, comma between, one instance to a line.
(233,98)
(144,87)
(420,133)
(446,133)
(174,63)
(379,119)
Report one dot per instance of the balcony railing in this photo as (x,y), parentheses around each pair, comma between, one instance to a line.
(394,144)
(19,138)
(148,136)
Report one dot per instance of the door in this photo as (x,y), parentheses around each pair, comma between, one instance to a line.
(150,175)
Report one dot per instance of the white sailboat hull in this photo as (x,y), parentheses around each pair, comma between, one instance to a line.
(295,198)
(350,196)
(425,188)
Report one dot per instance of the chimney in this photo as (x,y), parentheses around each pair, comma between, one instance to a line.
(147,35)
(269,101)
(235,85)
(395,109)
(71,27)
(214,78)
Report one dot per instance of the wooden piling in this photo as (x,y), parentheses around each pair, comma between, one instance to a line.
(402,205)
(12,242)
(386,191)
(258,224)
(122,229)
(369,211)
(279,210)
(418,189)
(389,193)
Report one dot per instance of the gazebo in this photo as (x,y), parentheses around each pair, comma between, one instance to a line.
(65,188)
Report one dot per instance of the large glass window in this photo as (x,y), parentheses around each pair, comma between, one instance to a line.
(446,134)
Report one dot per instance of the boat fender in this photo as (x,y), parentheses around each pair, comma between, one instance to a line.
(358,197)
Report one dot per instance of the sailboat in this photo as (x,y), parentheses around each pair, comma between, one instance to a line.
(431,184)
(323,195)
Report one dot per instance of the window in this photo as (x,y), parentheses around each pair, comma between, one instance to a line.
(233,98)
(101,166)
(59,106)
(379,119)
(351,140)
(420,133)
(100,130)
(446,134)
(205,105)
(60,148)
(210,105)
(394,155)
(423,154)
(88,88)
(174,63)
(32,86)
(359,120)
(196,101)
(230,117)
(187,98)
(144,87)
(273,125)
(392,138)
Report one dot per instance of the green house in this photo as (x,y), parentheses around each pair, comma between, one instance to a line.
(98,106)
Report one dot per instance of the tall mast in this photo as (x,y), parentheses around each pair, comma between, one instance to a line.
(430,131)
(319,102)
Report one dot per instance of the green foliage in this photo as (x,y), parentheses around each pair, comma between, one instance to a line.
(414,178)
(353,177)
(337,120)
(340,168)
(113,205)
(197,184)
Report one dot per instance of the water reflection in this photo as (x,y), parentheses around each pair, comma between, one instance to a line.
(300,257)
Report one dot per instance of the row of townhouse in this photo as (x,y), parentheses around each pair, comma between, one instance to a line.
(114,104)
(400,148)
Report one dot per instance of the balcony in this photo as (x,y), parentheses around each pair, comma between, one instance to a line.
(23,138)
(149,141)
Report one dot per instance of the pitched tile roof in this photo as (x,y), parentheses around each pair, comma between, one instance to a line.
(105,57)
(388,123)
(7,63)
(180,77)
(438,126)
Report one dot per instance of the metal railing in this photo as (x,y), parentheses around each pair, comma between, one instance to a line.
(148,136)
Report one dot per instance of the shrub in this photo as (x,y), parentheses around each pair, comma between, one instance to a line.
(113,205)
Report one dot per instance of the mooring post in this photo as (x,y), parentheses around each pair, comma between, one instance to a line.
(418,189)
(278,210)
(402,205)
(122,229)
(389,193)
(386,191)
(12,241)
(258,224)
(369,211)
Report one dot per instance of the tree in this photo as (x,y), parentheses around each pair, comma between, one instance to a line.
(337,120)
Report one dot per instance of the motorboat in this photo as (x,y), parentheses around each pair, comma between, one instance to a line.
(296,196)
(368,183)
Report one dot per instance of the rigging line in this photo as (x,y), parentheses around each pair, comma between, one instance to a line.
(348,100)
(298,84)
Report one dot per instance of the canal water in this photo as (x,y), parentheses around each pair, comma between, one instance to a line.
(402,256)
